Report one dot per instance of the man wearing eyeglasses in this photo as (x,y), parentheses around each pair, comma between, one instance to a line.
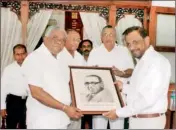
(147,92)
(96,90)
(110,54)
(48,104)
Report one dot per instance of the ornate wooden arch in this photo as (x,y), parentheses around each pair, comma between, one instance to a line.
(15,6)
(34,7)
(139,13)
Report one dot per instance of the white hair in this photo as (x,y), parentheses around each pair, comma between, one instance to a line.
(52,28)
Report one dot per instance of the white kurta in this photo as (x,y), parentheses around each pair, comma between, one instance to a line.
(119,57)
(77,60)
(43,70)
(12,82)
(147,92)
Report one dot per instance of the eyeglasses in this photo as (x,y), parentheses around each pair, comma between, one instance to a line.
(93,83)
(108,35)
(76,40)
(56,39)
(134,43)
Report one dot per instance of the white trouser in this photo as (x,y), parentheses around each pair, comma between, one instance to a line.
(75,124)
(147,123)
(100,122)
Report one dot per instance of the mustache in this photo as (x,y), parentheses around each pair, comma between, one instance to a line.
(86,51)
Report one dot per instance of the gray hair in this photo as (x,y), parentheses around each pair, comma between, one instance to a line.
(52,28)
(108,26)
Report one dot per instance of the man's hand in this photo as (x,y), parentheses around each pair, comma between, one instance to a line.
(111,115)
(119,84)
(117,72)
(73,112)
(3,113)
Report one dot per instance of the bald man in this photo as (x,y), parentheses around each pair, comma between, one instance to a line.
(48,105)
(72,57)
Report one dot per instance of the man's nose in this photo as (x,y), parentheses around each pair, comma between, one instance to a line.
(131,47)
(90,85)
(21,56)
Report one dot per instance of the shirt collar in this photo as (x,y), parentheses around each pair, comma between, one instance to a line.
(102,46)
(46,51)
(148,52)
(66,51)
(15,62)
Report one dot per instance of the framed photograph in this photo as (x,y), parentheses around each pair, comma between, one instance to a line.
(93,90)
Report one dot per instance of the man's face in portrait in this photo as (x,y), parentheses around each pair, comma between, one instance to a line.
(93,84)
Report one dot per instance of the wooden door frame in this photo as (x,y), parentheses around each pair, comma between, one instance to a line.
(153,24)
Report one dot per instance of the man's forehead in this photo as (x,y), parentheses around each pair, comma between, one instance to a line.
(57,33)
(19,50)
(108,30)
(86,43)
(73,33)
(133,36)
(134,33)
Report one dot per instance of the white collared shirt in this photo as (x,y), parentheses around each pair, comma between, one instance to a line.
(119,57)
(147,92)
(42,69)
(77,60)
(12,82)
(85,62)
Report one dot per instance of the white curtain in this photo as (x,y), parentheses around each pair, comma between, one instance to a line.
(36,27)
(10,35)
(93,25)
(124,23)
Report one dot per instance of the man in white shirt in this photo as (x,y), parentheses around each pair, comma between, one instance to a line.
(72,57)
(48,104)
(147,91)
(14,91)
(85,47)
(111,55)
(69,52)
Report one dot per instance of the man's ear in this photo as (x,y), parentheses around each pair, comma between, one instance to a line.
(147,41)
(45,38)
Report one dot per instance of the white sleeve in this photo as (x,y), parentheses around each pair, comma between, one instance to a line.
(4,88)
(154,85)
(32,70)
(126,89)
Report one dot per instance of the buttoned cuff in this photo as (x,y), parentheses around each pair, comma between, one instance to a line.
(123,112)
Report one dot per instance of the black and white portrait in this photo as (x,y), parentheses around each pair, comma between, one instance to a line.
(93,89)
(96,90)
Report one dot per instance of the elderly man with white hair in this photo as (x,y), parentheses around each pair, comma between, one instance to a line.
(48,105)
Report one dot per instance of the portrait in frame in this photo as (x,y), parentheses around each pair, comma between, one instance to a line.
(93,90)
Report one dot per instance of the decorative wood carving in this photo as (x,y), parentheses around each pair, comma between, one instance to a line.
(139,13)
(15,6)
(36,6)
